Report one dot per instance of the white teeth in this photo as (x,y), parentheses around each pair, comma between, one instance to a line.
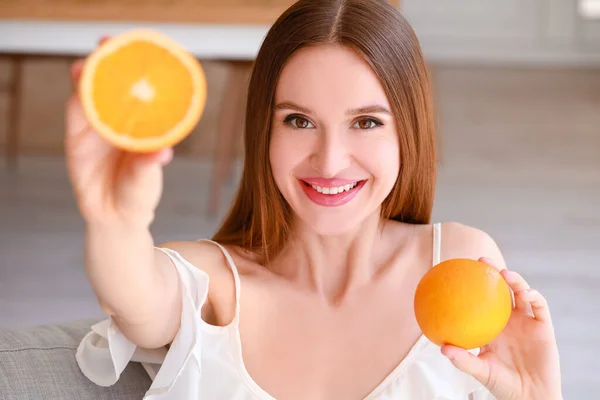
(334,190)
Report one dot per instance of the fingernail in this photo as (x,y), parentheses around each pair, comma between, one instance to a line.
(166,155)
(525,292)
(510,274)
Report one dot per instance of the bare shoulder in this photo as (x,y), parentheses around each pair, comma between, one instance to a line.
(463,241)
(209,258)
(203,255)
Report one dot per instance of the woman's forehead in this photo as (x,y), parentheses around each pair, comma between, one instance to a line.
(329,76)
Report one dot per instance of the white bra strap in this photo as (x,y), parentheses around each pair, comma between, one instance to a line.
(234,270)
(437,243)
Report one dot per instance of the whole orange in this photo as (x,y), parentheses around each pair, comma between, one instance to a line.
(462,302)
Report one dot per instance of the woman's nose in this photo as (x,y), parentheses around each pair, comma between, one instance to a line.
(331,155)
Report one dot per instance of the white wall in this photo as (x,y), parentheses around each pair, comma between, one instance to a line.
(548,32)
(505,31)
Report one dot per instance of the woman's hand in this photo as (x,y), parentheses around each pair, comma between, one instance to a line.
(110,185)
(522,363)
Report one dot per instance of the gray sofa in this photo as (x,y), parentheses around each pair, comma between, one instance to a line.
(39,364)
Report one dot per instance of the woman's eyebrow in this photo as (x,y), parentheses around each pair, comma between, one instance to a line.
(375,108)
(289,105)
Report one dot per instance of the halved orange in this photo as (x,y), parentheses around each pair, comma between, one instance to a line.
(142,91)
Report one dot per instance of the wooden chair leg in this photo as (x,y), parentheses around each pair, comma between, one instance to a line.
(231,124)
(14,111)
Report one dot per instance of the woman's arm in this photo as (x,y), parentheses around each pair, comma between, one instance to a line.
(135,284)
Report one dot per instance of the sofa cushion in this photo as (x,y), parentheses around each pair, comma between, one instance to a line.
(39,363)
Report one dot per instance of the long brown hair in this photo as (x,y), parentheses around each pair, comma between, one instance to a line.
(260,218)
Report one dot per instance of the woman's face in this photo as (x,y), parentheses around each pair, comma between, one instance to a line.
(334,145)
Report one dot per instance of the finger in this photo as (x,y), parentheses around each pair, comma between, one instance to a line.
(489,262)
(164,156)
(161,157)
(75,121)
(103,39)
(499,269)
(141,168)
(517,284)
(75,71)
(468,363)
(538,303)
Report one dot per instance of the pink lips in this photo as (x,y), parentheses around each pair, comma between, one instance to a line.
(330,200)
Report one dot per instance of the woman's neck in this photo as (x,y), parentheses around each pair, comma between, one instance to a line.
(332,266)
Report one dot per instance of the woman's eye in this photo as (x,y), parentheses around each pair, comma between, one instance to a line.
(298,122)
(367,123)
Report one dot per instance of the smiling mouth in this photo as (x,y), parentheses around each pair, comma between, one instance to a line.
(335,190)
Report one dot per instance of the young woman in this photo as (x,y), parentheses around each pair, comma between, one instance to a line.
(306,291)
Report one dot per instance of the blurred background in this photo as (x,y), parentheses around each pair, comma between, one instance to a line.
(517,88)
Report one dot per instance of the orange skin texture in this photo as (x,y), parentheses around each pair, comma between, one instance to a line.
(462,302)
